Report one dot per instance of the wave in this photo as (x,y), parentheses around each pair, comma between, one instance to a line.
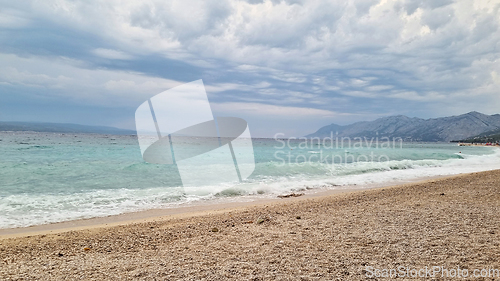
(270,178)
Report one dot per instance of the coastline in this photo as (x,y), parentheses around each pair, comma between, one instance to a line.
(479,144)
(193,210)
(448,222)
(451,223)
(116,190)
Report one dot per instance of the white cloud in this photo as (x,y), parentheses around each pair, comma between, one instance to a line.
(260,109)
(360,94)
(293,37)
(379,88)
(111,54)
(13,19)
(68,80)
(222,87)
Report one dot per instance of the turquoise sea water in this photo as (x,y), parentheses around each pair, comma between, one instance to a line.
(49,177)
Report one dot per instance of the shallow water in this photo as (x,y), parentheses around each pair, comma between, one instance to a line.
(48,177)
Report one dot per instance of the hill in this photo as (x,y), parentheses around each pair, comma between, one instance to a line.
(492,136)
(62,128)
(443,129)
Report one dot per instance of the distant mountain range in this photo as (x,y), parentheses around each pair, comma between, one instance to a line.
(62,128)
(415,129)
(473,126)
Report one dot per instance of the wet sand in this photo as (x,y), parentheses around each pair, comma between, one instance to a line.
(449,222)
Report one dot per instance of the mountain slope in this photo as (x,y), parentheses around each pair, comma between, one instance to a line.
(491,136)
(416,129)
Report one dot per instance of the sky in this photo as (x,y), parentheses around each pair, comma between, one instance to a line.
(284,66)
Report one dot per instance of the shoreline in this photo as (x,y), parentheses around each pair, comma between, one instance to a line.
(449,223)
(478,144)
(198,207)
(195,209)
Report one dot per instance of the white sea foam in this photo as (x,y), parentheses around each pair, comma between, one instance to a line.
(361,174)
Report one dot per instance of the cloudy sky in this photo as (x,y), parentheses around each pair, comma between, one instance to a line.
(285,66)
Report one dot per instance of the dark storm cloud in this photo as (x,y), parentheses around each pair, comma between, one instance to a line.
(360,59)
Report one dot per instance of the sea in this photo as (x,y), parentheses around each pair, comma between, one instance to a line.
(53,177)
